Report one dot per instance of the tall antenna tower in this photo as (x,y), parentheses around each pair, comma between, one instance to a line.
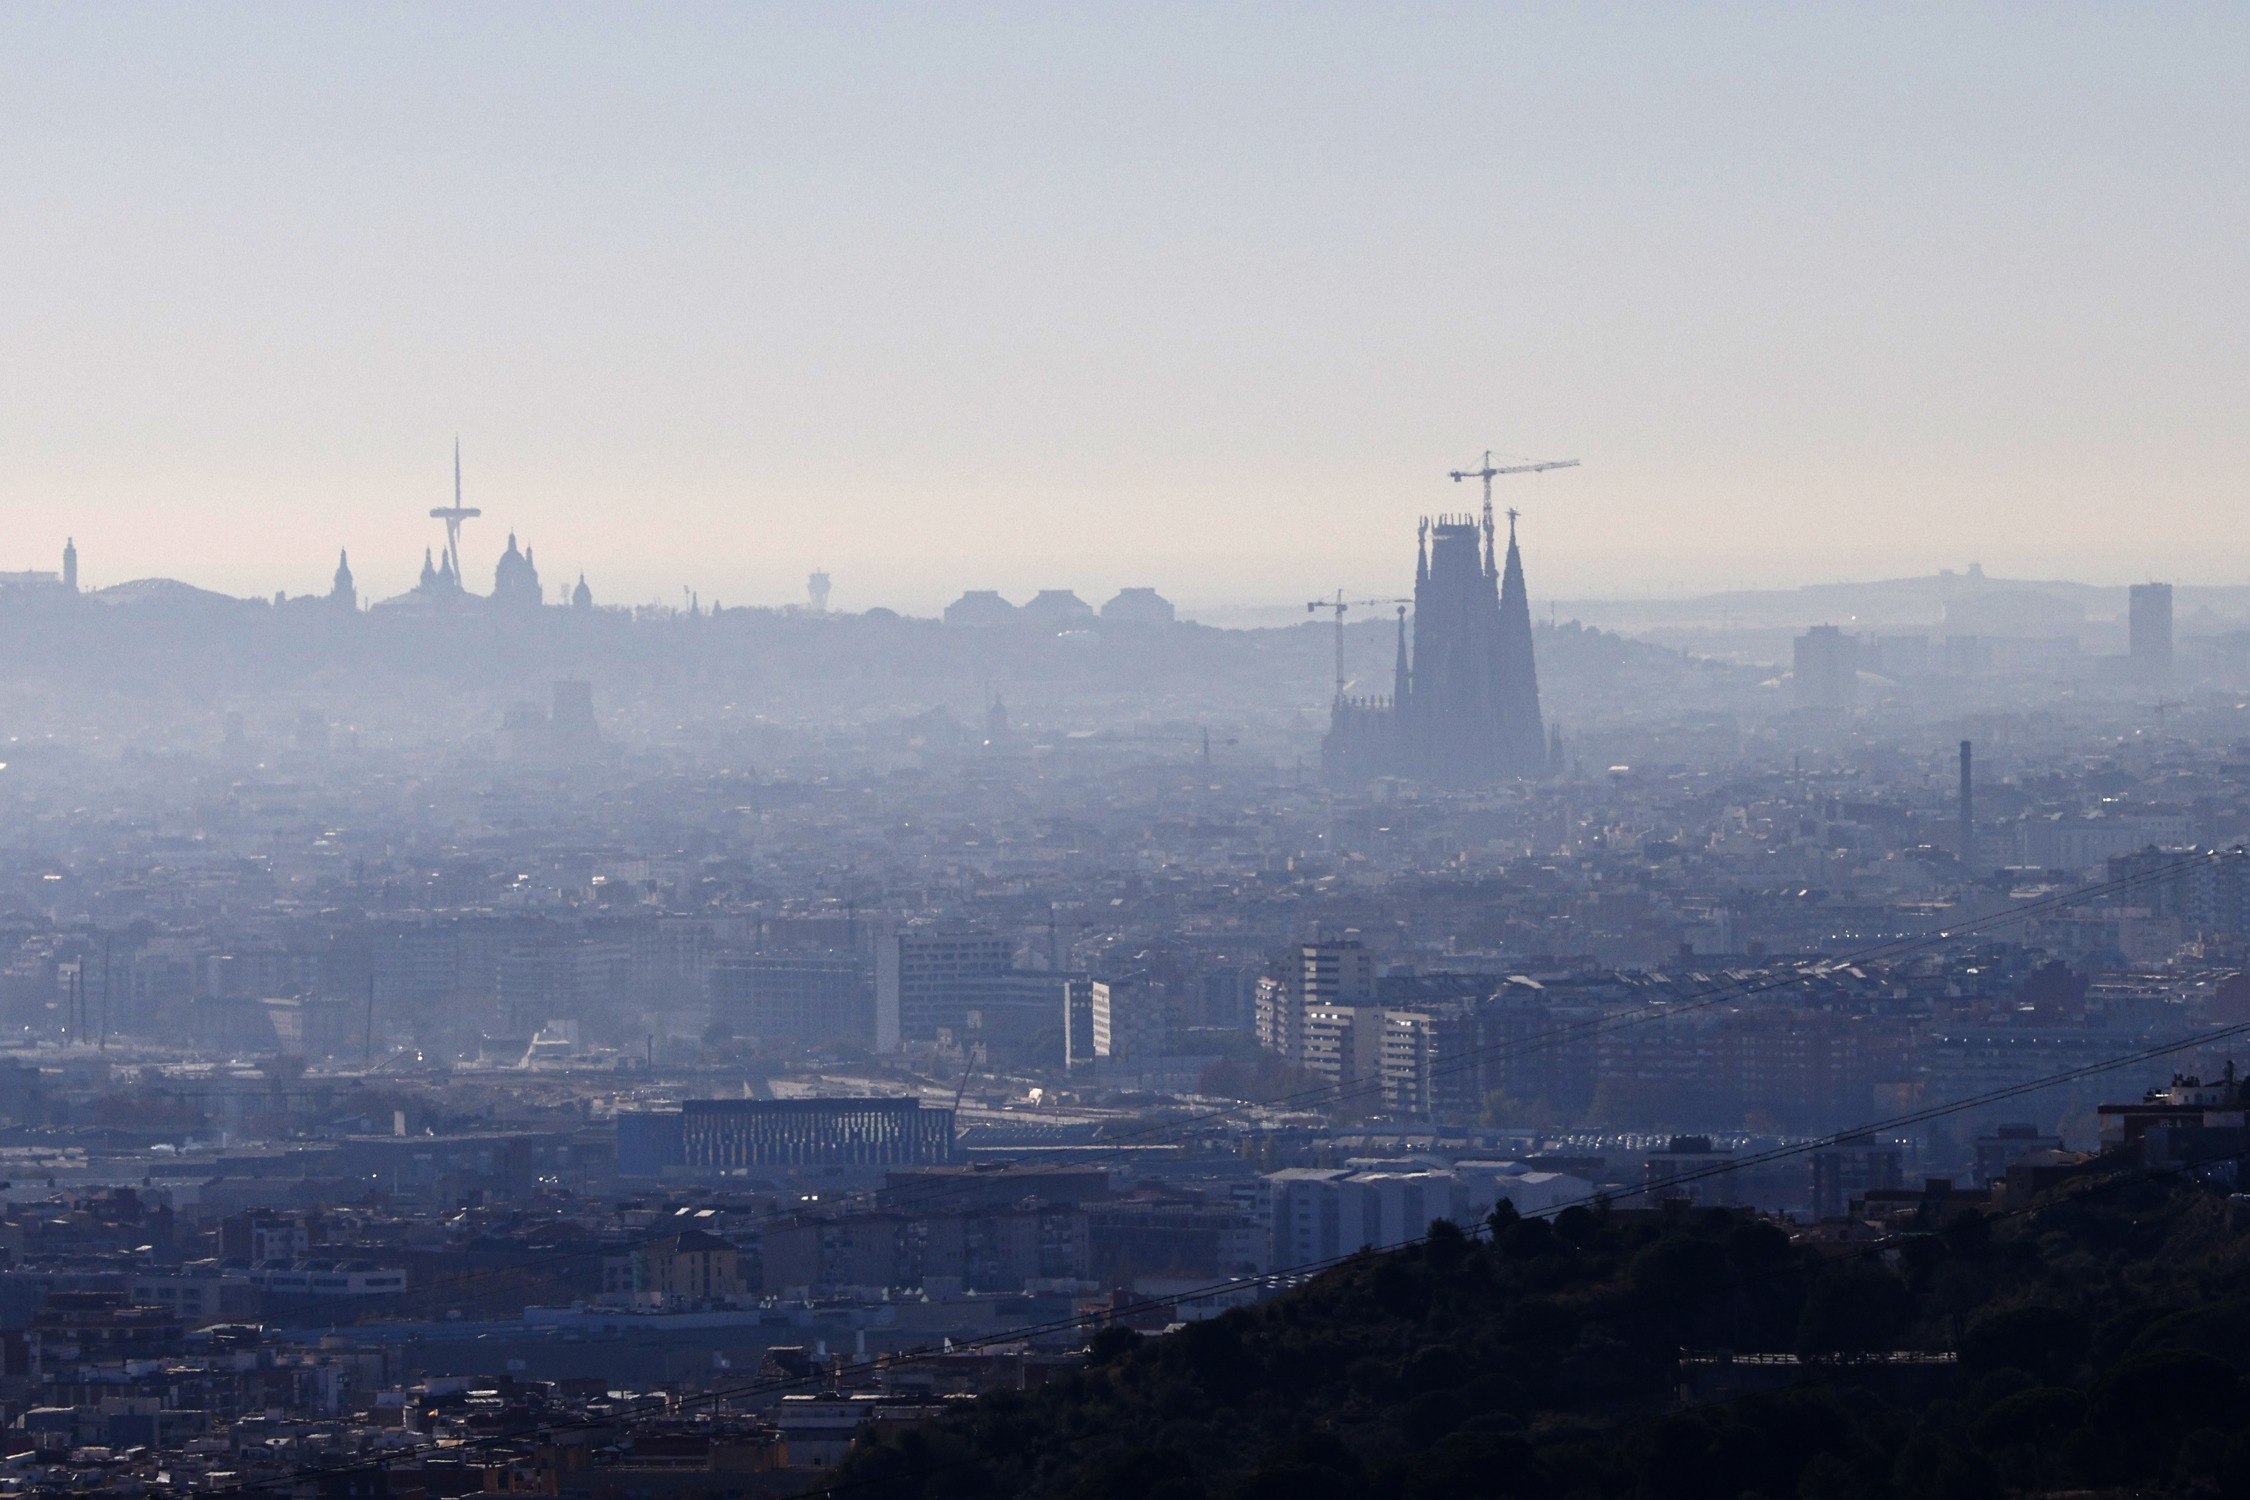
(453,515)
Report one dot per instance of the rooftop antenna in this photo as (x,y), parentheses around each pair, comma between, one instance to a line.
(456,513)
(1488,473)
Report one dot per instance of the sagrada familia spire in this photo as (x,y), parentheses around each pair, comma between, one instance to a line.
(1464,708)
(1523,742)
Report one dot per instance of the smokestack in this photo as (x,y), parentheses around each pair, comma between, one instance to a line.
(1967,811)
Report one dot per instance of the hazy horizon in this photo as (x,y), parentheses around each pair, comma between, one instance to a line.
(1203,299)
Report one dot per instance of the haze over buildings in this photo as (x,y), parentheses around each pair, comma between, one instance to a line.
(897,830)
(737,296)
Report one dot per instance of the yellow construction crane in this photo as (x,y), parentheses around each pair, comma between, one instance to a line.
(1340,606)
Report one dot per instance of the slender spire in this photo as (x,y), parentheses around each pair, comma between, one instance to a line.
(1523,740)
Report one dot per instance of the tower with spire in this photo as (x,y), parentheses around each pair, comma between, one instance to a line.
(448,575)
(1515,683)
(1464,705)
(1448,724)
(343,593)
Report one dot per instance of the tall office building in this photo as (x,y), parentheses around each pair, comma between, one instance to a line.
(1827,669)
(1464,707)
(930,977)
(2148,619)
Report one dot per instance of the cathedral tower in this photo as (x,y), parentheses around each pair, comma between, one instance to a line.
(1464,706)
(1515,685)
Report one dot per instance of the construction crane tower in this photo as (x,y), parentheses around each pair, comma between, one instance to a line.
(1339,607)
(1488,473)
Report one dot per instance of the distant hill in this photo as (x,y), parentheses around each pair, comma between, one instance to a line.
(2103,1343)
(160,633)
(1970,599)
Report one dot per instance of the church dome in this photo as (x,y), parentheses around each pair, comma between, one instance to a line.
(516,580)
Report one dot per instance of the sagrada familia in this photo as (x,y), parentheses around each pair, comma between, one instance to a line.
(1464,709)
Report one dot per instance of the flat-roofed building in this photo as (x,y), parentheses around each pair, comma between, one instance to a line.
(726,1134)
(795,999)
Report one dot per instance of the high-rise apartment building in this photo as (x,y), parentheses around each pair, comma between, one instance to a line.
(2148,622)
(1310,974)
(1127,1019)
(1078,1021)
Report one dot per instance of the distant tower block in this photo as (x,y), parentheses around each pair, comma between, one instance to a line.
(573,717)
(1966,809)
(2148,619)
(70,564)
(1827,670)
(816,589)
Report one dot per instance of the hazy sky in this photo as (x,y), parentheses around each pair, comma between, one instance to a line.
(1200,296)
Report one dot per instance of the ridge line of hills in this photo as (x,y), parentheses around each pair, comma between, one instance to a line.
(2098,1343)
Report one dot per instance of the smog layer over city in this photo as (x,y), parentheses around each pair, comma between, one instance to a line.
(1196,752)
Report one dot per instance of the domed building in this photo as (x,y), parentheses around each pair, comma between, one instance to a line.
(515,581)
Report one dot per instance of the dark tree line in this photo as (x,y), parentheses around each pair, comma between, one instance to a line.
(2102,1342)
